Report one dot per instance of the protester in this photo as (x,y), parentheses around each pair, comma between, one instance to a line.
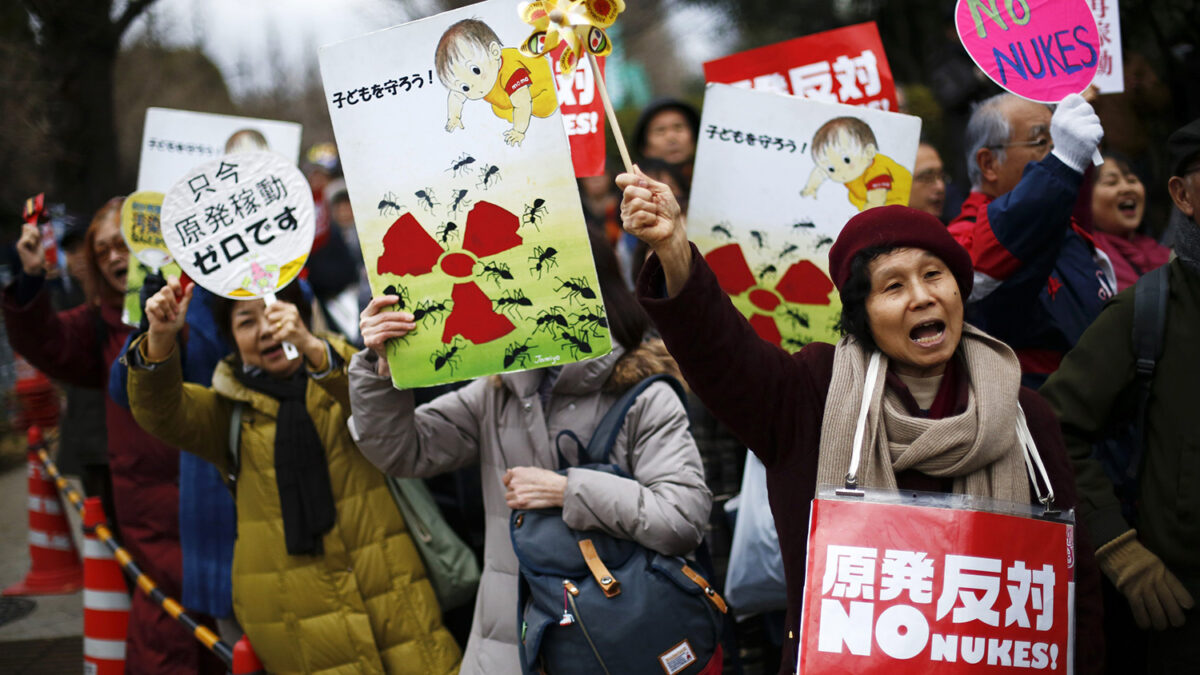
(1118,208)
(325,575)
(902,280)
(667,129)
(508,423)
(77,346)
(1039,279)
(929,182)
(1153,559)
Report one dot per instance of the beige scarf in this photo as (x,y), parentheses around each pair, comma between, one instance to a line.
(979,448)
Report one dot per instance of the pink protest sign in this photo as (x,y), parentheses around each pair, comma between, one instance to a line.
(1041,50)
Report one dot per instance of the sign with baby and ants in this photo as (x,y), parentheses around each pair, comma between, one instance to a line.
(776,178)
(461,180)
(935,590)
(173,142)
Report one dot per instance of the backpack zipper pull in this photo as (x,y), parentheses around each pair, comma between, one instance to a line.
(567,619)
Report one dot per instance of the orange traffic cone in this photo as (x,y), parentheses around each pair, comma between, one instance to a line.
(37,400)
(105,600)
(55,567)
(245,661)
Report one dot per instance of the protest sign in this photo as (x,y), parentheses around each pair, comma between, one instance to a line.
(466,205)
(1110,71)
(776,178)
(898,588)
(844,65)
(582,115)
(1041,50)
(174,141)
(142,230)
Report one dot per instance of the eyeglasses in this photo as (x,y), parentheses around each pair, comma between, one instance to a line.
(930,176)
(1042,145)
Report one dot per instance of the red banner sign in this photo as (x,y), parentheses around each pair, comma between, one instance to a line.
(582,114)
(845,65)
(914,589)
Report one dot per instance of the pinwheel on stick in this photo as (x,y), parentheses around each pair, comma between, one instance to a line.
(579,25)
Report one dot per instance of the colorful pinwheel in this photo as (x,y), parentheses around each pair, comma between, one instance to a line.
(577,24)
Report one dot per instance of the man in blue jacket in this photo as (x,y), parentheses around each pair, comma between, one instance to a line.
(1039,278)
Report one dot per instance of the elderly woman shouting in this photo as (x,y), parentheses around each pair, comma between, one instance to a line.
(943,409)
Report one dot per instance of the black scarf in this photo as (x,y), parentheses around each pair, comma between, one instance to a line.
(301,470)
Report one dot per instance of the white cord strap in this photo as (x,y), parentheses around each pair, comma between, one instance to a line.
(860,427)
(1033,459)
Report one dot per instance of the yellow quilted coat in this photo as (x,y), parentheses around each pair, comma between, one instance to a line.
(364,606)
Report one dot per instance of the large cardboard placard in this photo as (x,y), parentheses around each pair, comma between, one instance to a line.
(174,141)
(899,588)
(764,211)
(582,115)
(1041,50)
(461,182)
(844,65)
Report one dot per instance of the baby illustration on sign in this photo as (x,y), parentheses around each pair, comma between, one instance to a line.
(846,152)
(471,63)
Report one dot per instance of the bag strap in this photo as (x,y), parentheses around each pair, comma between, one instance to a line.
(1149,327)
(860,427)
(235,439)
(1032,460)
(605,436)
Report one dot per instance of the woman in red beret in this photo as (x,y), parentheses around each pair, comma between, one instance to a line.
(944,405)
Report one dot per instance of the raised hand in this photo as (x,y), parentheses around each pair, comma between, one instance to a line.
(650,213)
(167,312)
(378,325)
(29,248)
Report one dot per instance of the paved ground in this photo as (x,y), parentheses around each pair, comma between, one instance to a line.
(54,616)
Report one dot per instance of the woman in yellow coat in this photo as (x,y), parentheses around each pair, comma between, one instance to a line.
(326,578)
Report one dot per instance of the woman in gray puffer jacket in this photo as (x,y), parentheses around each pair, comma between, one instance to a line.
(508,424)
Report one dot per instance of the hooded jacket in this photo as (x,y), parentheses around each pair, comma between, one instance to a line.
(365,605)
(500,423)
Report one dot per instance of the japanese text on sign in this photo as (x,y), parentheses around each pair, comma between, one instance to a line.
(749,138)
(182,147)
(375,92)
(582,115)
(1110,75)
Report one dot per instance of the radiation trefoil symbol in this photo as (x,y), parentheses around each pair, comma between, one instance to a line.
(802,284)
(409,250)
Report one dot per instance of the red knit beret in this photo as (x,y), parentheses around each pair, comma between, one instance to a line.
(899,226)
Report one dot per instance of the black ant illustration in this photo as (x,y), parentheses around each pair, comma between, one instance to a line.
(796,317)
(759,238)
(427,199)
(577,287)
(543,259)
(513,301)
(767,271)
(388,206)
(590,320)
(720,228)
(458,201)
(794,343)
(446,231)
(398,291)
(575,343)
(430,310)
(488,175)
(548,318)
(496,272)
(788,250)
(534,213)
(464,160)
(823,241)
(803,223)
(517,353)
(448,357)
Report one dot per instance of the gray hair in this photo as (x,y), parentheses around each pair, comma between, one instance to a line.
(988,127)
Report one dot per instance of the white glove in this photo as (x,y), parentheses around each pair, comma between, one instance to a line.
(1076,132)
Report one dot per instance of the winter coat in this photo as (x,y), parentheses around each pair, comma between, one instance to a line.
(76,347)
(1131,258)
(1040,281)
(365,605)
(775,402)
(500,423)
(1095,387)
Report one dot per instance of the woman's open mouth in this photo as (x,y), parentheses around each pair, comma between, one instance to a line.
(272,351)
(1128,207)
(929,333)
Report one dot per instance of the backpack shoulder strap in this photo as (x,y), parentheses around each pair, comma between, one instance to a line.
(605,436)
(235,440)
(1149,329)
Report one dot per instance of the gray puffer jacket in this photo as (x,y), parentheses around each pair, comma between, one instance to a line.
(499,422)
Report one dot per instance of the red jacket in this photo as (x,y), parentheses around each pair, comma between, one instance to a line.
(775,402)
(78,347)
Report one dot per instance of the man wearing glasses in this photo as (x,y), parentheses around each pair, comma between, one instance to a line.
(1039,279)
(929,182)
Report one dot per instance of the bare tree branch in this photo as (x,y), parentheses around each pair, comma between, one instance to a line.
(132,11)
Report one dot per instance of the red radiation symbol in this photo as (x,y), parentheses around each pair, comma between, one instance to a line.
(409,250)
(803,284)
